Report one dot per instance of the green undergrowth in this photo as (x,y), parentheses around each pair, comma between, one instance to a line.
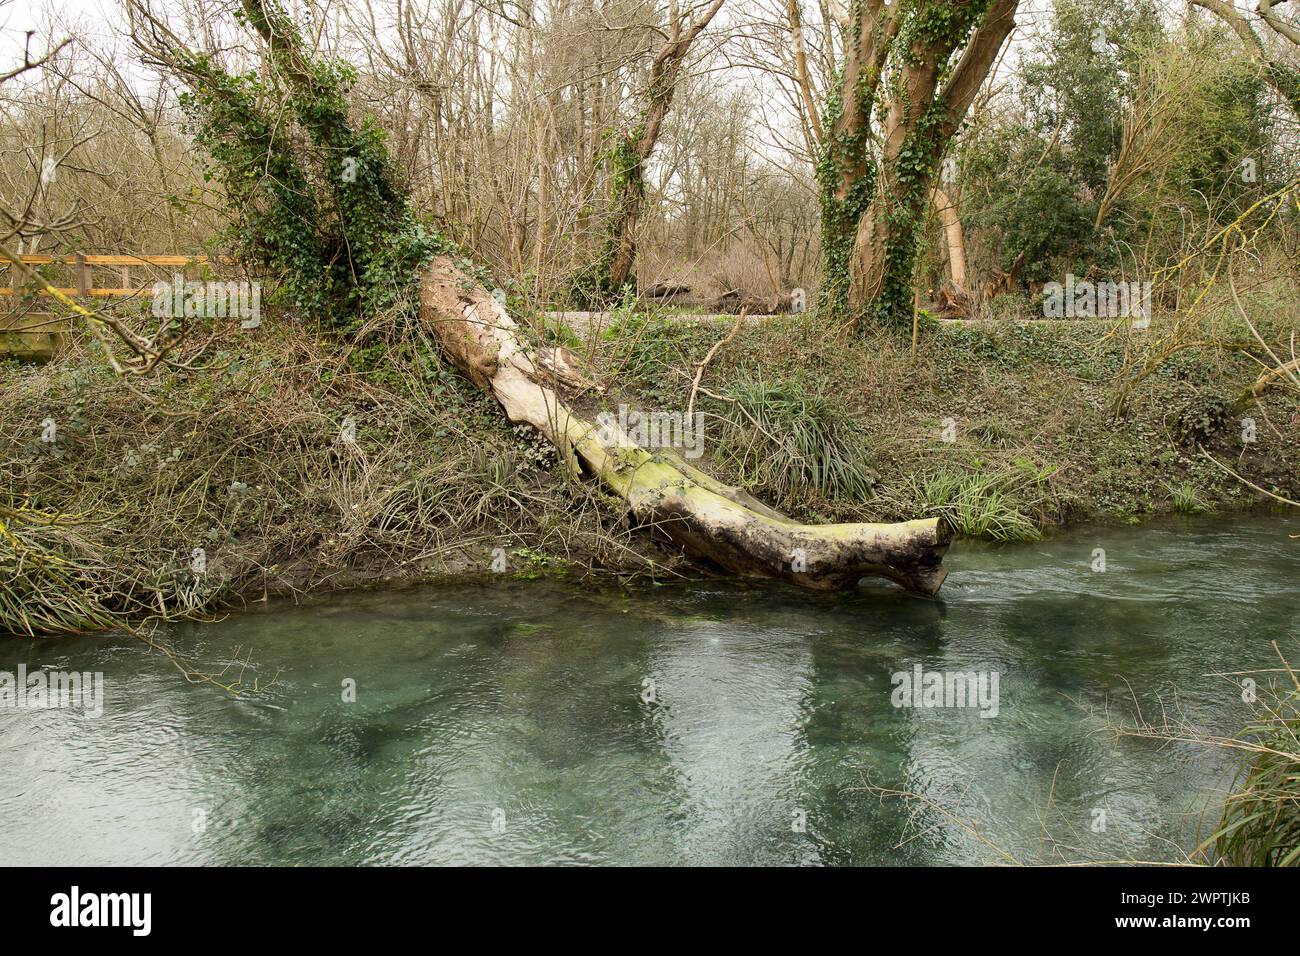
(1004,429)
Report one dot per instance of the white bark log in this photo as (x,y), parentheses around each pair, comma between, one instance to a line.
(708,519)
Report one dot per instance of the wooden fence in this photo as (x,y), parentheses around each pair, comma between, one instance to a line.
(27,330)
(84,267)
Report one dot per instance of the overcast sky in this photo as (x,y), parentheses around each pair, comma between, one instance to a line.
(90,18)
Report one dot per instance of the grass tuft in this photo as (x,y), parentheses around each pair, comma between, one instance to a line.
(1186,499)
(785,440)
(981,504)
(1261,819)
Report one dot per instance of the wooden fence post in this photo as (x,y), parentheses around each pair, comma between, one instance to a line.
(83,276)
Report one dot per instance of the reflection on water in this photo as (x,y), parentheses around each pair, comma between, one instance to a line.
(725,724)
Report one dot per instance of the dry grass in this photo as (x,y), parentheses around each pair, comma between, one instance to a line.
(254,464)
(741,264)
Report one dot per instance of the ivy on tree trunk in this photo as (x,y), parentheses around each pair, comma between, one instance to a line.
(911,70)
(312,194)
(612,271)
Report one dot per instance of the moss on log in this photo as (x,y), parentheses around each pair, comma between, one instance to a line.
(710,520)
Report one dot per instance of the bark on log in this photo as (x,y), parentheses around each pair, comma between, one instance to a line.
(666,290)
(735,301)
(712,521)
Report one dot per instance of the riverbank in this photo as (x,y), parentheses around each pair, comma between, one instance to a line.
(1004,428)
(289,468)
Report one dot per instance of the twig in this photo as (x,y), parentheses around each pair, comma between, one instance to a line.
(1250,484)
(699,369)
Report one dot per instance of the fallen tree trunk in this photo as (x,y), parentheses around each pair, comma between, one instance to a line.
(735,301)
(708,519)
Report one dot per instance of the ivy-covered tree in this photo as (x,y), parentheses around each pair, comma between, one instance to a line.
(631,151)
(911,71)
(1272,56)
(311,193)
(1077,75)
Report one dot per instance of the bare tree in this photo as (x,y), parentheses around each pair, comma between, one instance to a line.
(638,144)
(1283,75)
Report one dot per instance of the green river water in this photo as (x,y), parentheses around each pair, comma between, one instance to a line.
(531,722)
